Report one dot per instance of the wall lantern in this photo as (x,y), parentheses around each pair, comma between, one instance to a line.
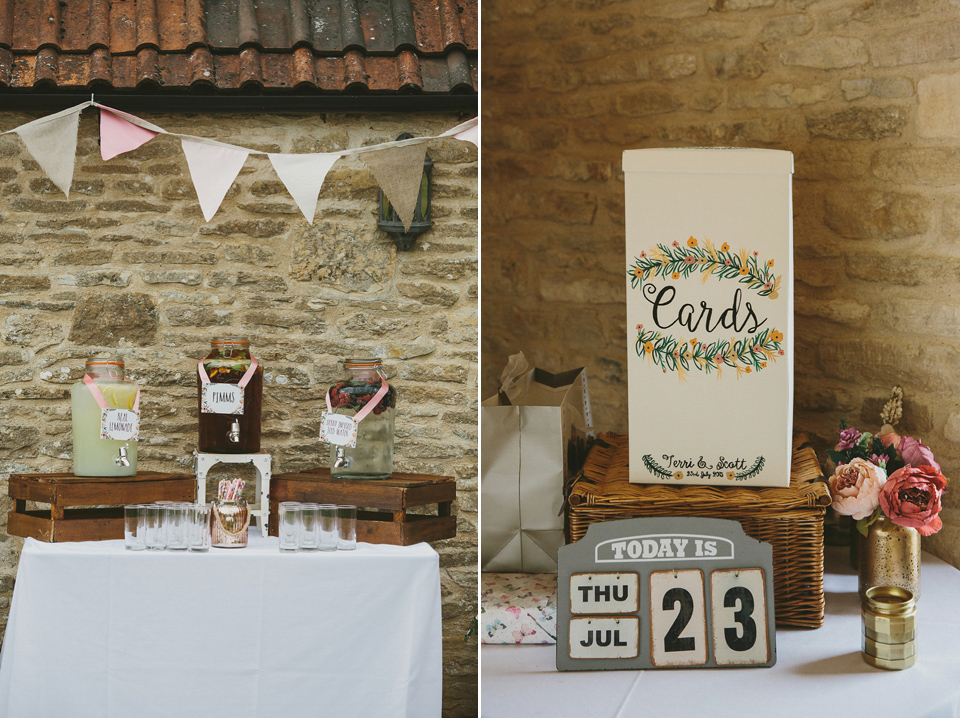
(390,223)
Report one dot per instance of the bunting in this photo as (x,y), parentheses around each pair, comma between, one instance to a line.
(52,140)
(398,171)
(214,165)
(117,135)
(213,168)
(303,176)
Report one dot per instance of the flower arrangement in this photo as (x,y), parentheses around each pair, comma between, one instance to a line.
(886,475)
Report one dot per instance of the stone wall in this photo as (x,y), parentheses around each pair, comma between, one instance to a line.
(866,96)
(126,266)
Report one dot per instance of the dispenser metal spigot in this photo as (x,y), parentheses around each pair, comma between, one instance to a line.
(234,433)
(342,460)
(121,458)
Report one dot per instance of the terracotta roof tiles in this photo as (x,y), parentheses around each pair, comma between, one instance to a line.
(390,46)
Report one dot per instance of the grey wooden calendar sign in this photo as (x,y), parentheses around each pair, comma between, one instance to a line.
(665,593)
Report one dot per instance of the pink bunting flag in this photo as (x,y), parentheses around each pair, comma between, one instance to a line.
(117,135)
(213,168)
(471,134)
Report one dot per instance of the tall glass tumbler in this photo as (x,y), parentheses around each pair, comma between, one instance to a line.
(134,530)
(162,528)
(175,526)
(347,523)
(309,527)
(288,518)
(198,527)
(329,533)
(153,518)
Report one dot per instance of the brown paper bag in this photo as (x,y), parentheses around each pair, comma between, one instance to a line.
(533,441)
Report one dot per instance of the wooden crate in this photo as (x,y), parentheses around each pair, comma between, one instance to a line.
(383,504)
(790,519)
(70,517)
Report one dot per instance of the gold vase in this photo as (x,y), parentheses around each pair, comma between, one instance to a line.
(889,555)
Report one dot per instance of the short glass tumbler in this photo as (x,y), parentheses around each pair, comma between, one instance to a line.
(134,529)
(347,524)
(198,527)
(288,518)
(329,533)
(309,527)
(153,523)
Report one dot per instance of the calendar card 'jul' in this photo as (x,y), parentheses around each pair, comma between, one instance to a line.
(709,315)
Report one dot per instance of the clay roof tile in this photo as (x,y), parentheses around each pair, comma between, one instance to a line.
(271,45)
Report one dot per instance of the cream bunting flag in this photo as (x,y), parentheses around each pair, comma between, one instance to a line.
(52,140)
(213,168)
(303,177)
(398,171)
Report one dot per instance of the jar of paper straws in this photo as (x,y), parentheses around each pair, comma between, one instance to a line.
(231,516)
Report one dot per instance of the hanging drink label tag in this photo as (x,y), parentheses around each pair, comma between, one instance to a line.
(341,430)
(116,424)
(338,429)
(120,424)
(223,398)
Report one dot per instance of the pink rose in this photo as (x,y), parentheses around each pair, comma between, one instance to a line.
(855,488)
(911,497)
(916,454)
(890,439)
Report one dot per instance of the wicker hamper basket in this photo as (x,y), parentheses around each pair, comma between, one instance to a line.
(791,519)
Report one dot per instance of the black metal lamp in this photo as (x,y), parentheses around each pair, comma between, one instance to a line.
(391,223)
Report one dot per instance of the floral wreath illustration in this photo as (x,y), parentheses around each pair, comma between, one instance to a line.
(654,468)
(747,355)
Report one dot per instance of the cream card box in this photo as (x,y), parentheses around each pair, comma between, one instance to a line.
(709,315)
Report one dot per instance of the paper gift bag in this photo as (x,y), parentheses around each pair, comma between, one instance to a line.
(533,438)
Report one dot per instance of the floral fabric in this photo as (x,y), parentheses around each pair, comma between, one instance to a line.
(518,607)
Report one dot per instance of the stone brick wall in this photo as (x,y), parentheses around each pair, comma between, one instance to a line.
(128,267)
(865,94)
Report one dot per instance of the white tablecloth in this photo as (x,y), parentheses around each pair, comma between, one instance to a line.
(819,672)
(96,630)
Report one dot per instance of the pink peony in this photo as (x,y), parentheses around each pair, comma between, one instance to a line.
(911,497)
(855,488)
(915,453)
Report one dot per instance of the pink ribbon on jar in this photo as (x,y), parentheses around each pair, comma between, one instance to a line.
(369,406)
(98,395)
(244,380)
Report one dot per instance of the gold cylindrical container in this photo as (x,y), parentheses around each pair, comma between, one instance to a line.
(889,627)
(889,556)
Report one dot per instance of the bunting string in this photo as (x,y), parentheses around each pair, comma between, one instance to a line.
(214,165)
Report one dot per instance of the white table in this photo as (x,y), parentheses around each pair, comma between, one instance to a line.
(819,672)
(95,630)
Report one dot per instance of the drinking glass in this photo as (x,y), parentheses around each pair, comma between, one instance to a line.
(347,523)
(134,530)
(288,518)
(153,517)
(328,527)
(309,527)
(162,526)
(198,527)
(175,526)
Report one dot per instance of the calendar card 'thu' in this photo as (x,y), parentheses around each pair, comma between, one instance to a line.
(709,315)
